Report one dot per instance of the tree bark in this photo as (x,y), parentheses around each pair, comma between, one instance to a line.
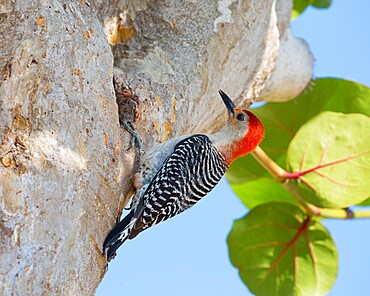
(65,164)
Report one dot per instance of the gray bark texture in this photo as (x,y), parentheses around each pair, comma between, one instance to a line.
(65,167)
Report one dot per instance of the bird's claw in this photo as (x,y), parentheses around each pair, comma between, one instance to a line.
(135,136)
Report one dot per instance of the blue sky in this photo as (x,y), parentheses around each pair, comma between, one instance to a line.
(188,255)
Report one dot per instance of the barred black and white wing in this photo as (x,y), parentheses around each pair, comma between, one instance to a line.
(189,173)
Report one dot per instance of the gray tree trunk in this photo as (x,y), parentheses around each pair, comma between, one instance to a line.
(65,165)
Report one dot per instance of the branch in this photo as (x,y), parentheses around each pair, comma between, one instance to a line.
(282,176)
(271,166)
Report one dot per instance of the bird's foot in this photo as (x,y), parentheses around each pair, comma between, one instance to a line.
(128,126)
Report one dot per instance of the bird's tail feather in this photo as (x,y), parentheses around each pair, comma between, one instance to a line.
(118,235)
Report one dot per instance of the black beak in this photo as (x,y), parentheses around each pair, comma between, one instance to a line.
(228,102)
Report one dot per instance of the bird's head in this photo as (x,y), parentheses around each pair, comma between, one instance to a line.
(243,131)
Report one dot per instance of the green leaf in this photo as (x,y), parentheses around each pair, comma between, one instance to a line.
(321,3)
(365,203)
(300,5)
(283,120)
(239,172)
(261,191)
(330,156)
(246,169)
(278,250)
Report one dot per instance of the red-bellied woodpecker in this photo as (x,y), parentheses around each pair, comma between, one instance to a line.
(176,174)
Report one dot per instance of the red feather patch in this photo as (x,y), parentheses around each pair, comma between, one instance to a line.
(250,141)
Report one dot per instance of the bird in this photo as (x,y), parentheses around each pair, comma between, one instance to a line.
(176,174)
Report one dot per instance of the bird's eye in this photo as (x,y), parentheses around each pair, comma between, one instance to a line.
(240,117)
